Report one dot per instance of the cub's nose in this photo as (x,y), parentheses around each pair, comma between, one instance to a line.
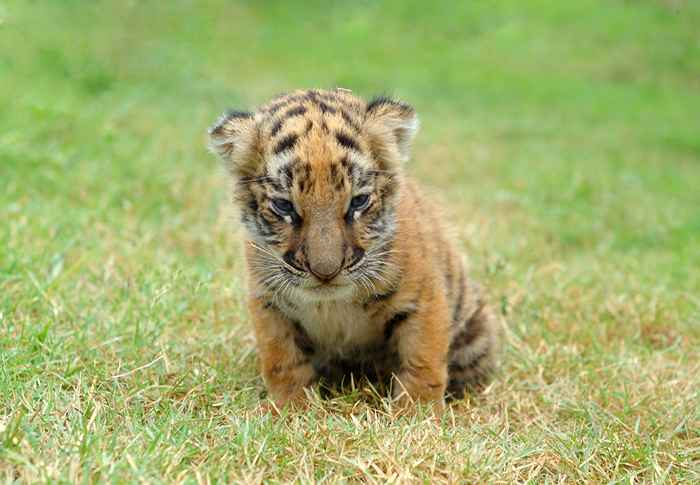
(325,271)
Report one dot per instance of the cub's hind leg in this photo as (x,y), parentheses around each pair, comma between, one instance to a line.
(474,345)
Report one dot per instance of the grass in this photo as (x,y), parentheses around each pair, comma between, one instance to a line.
(563,136)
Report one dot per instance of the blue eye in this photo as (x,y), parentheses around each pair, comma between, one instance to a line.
(359,201)
(282,206)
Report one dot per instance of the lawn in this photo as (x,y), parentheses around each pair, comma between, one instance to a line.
(564,138)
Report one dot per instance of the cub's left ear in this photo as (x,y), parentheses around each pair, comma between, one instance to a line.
(390,125)
(234,137)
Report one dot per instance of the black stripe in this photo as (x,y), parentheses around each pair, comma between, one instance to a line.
(234,113)
(326,108)
(328,96)
(252,204)
(455,389)
(347,166)
(290,258)
(348,119)
(296,111)
(290,113)
(275,183)
(391,325)
(379,101)
(347,141)
(277,106)
(285,144)
(302,340)
(377,173)
(275,128)
(280,102)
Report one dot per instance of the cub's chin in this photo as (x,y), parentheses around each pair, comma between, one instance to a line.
(328,292)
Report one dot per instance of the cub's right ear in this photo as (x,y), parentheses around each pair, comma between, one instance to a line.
(234,137)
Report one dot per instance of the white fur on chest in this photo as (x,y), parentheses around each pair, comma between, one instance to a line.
(338,327)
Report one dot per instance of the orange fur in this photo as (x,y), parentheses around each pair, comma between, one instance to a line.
(350,266)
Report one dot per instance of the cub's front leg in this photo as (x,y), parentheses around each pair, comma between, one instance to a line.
(285,366)
(423,342)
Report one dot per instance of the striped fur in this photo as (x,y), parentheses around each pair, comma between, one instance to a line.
(350,266)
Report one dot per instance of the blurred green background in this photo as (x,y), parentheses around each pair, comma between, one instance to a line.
(583,115)
(563,136)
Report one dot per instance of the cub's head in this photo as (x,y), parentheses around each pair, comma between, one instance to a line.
(316,176)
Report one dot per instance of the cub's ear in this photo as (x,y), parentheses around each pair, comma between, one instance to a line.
(390,125)
(234,137)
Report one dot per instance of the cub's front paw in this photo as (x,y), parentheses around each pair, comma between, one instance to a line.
(287,386)
(408,389)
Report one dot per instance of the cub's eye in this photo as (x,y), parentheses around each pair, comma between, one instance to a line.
(282,206)
(359,201)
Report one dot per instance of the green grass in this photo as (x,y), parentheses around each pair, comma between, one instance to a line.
(564,137)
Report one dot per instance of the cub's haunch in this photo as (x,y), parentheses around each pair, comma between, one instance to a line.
(350,267)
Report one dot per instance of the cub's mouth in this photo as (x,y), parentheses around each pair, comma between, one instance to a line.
(326,286)
(334,290)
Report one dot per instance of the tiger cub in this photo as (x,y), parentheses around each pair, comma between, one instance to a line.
(350,269)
